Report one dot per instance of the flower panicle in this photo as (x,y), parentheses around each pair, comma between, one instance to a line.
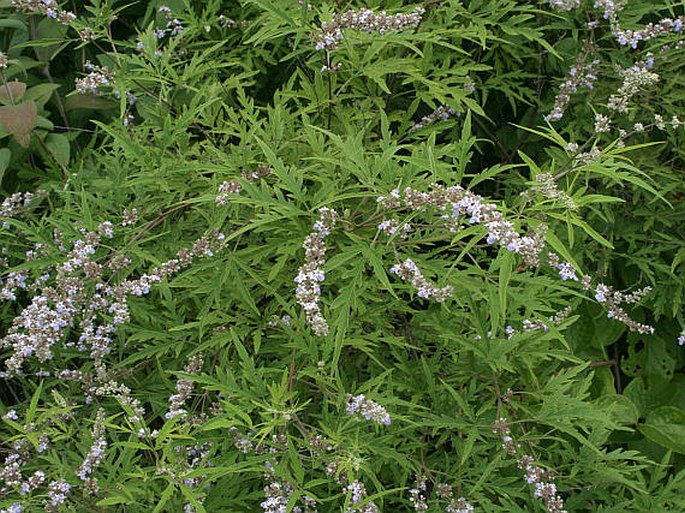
(97,78)
(49,8)
(19,203)
(541,478)
(582,74)
(311,274)
(443,112)
(80,296)
(95,454)
(364,20)
(461,206)
(368,409)
(184,389)
(235,186)
(409,271)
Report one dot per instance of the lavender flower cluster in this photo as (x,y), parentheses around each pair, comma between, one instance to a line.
(278,492)
(367,21)
(14,281)
(173,26)
(81,291)
(444,112)
(537,324)
(602,123)
(417,495)
(311,274)
(18,203)
(545,185)
(462,203)
(278,495)
(456,505)
(188,459)
(11,475)
(240,441)
(114,389)
(566,270)
(368,409)
(564,5)
(57,494)
(542,479)
(184,388)
(582,158)
(612,299)
(357,494)
(634,78)
(611,7)
(95,454)
(582,74)
(393,226)
(14,508)
(228,189)
(650,31)
(460,505)
(97,77)
(49,8)
(408,271)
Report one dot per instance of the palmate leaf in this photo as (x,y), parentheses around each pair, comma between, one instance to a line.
(216,102)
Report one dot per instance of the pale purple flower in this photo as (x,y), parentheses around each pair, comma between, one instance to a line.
(368,409)
(58,492)
(567,272)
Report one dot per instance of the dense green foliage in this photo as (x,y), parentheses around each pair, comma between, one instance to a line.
(167,343)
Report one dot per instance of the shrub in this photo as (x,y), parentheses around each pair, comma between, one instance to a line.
(324,257)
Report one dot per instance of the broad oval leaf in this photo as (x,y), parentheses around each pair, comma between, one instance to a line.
(12,92)
(666,427)
(5,158)
(58,144)
(620,408)
(19,120)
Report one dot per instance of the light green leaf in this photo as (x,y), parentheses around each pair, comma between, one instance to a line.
(41,93)
(12,24)
(620,408)
(506,260)
(5,158)
(58,144)
(113,500)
